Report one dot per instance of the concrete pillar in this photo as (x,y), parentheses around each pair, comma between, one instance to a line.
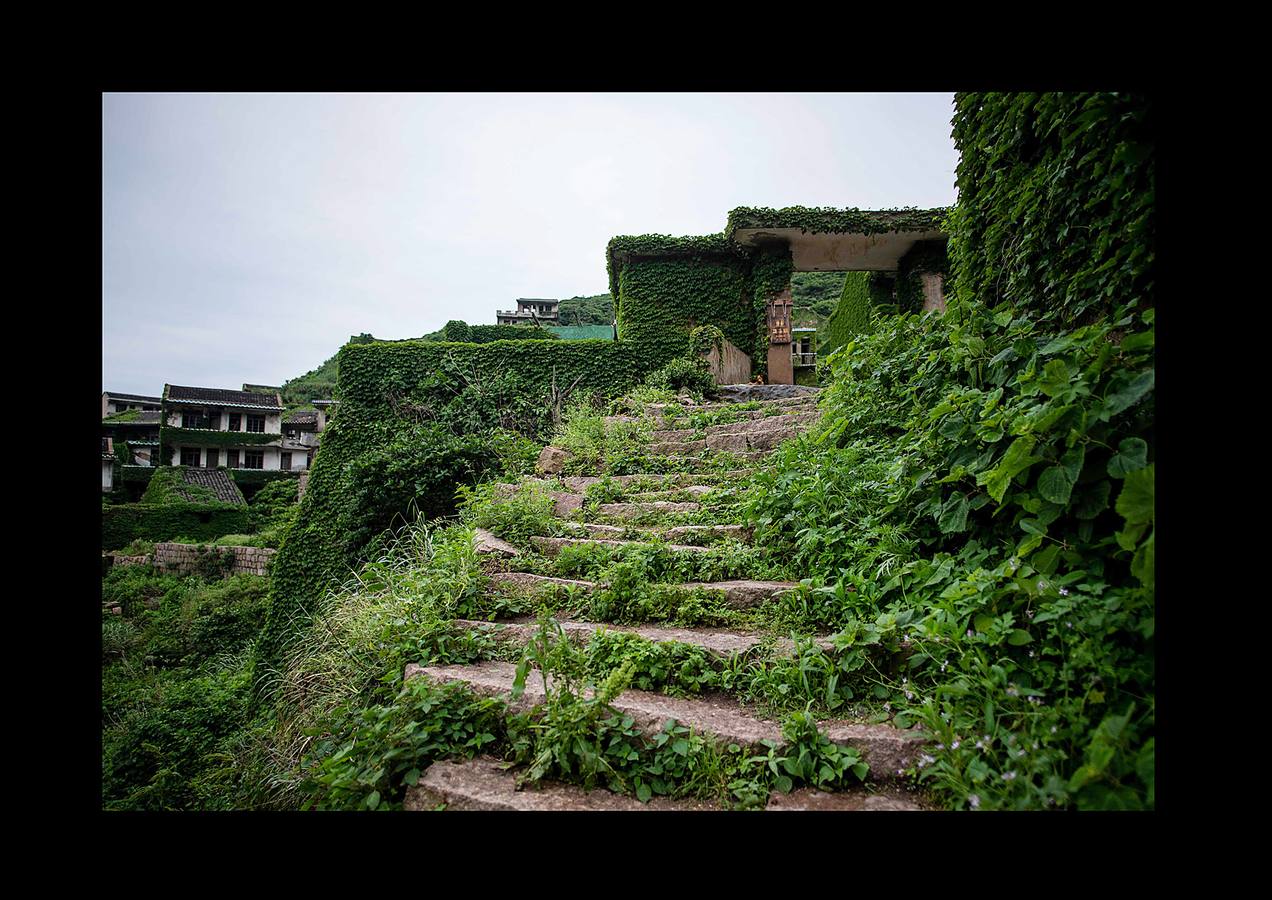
(778,309)
(933,291)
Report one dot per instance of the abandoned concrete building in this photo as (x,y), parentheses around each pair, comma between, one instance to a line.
(211,427)
(529,311)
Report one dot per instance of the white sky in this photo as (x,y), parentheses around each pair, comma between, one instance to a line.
(245,237)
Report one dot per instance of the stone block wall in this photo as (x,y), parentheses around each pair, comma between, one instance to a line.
(185,557)
(730,367)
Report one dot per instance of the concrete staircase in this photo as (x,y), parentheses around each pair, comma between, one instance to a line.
(751,434)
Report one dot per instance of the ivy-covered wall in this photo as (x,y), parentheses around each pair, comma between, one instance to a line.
(458,331)
(1056,199)
(665,287)
(380,386)
(125,522)
(864,293)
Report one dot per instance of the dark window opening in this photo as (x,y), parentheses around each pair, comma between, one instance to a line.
(231,459)
(255,423)
(254,459)
(286,463)
(236,422)
(190,456)
(214,458)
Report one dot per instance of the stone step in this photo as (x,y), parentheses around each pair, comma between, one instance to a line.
(743,441)
(485,783)
(887,750)
(488,544)
(551,546)
(580,483)
(760,422)
(527,581)
(676,448)
(633,510)
(738,593)
(744,593)
(678,532)
(714,641)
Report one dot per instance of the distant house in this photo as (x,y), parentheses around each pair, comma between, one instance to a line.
(114,403)
(133,418)
(528,310)
(138,430)
(211,427)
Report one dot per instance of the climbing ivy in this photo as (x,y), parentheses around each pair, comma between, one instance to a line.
(661,300)
(458,331)
(820,220)
(854,314)
(1055,200)
(770,275)
(421,403)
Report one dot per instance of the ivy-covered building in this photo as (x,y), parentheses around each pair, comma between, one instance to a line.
(212,427)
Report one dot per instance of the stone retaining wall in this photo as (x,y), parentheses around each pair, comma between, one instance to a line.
(185,557)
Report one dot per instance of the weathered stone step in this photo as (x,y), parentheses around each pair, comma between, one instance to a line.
(633,510)
(887,750)
(580,483)
(482,784)
(714,641)
(738,593)
(745,593)
(485,783)
(673,448)
(527,581)
(679,532)
(551,546)
(794,421)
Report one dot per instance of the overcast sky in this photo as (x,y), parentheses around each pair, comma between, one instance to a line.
(245,237)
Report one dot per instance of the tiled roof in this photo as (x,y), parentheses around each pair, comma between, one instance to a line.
(149,417)
(221,397)
(138,397)
(302,417)
(219,482)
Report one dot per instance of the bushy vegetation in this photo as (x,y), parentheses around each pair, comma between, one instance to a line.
(993,480)
(175,677)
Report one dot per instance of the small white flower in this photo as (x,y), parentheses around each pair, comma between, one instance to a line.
(940,746)
(969,632)
(980,745)
(887,705)
(1053,729)
(1009,776)
(1042,585)
(1064,592)
(1068,624)
(909,696)
(1031,654)
(1035,745)
(942,667)
(900,771)
(973,801)
(954,746)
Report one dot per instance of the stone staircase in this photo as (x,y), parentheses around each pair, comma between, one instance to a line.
(640,518)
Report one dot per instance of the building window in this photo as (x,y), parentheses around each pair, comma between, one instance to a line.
(236,422)
(255,423)
(253,459)
(105,445)
(214,458)
(286,463)
(231,459)
(190,456)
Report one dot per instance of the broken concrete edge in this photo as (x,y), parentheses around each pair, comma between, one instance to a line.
(485,783)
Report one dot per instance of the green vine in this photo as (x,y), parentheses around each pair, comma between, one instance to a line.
(1056,201)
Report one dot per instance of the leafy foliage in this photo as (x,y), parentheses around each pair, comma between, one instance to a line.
(1056,201)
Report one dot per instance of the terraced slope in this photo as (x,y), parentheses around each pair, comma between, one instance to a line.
(675,518)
